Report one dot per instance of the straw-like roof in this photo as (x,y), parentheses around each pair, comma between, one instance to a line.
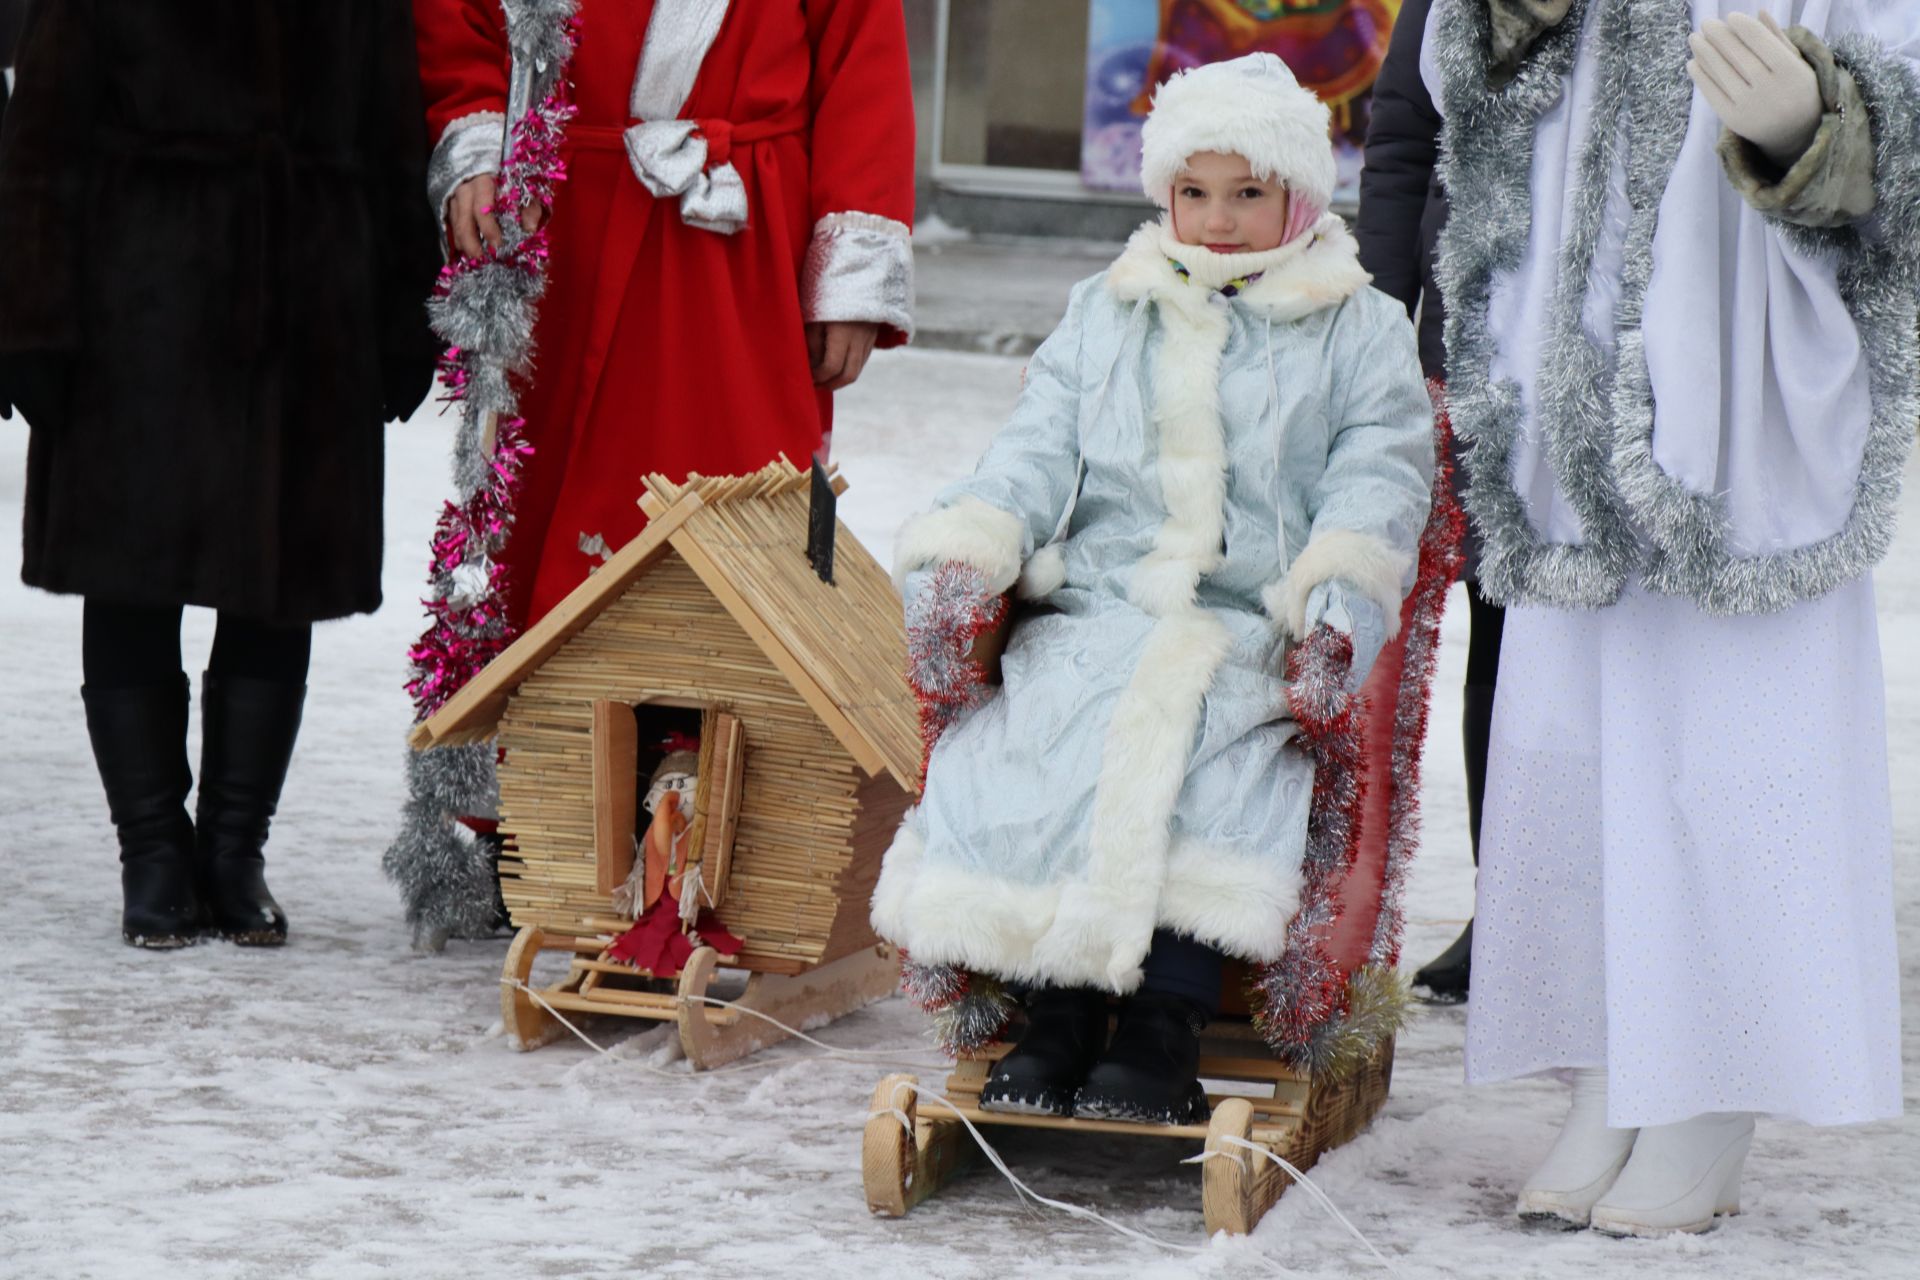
(842,646)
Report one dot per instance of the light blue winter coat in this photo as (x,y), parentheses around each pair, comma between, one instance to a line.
(1192,471)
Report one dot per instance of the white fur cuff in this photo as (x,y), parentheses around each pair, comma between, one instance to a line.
(1044,573)
(969,531)
(1375,569)
(1232,903)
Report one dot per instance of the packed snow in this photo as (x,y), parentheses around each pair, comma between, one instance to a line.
(347,1107)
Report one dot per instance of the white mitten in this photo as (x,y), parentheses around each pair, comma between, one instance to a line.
(1758,84)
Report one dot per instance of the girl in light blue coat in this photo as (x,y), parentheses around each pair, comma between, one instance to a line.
(1226,442)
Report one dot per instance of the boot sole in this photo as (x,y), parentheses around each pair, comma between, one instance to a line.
(1620,1228)
(257,938)
(1009,1104)
(1102,1109)
(1626,1231)
(160,941)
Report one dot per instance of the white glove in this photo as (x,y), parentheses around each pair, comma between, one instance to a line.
(1758,84)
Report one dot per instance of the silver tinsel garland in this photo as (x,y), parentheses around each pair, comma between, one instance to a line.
(485,313)
(1596,411)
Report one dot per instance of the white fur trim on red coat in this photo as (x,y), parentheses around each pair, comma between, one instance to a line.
(1374,568)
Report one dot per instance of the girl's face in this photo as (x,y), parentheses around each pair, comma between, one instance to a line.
(1218,203)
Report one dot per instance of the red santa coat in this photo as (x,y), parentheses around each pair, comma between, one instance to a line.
(661,345)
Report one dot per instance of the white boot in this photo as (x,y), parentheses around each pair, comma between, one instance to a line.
(1585,1159)
(1681,1176)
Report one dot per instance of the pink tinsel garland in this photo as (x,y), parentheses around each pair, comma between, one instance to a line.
(469,625)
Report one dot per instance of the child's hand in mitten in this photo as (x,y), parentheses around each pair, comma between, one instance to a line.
(1758,84)
(1338,605)
(948,608)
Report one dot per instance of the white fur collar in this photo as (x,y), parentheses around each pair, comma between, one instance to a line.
(1320,269)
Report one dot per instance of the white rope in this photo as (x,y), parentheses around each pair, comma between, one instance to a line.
(993,1156)
(884,1056)
(1320,1197)
(1075,1210)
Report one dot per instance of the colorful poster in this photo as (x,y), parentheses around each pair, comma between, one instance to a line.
(1335,47)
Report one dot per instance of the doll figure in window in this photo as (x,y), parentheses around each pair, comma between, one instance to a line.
(662,894)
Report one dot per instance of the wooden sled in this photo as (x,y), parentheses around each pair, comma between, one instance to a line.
(710,1034)
(1294,1117)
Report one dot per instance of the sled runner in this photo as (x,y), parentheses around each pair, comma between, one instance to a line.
(711,635)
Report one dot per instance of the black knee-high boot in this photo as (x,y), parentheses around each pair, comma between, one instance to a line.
(139,739)
(249,727)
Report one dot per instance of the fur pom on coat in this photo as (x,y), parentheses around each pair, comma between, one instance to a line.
(214,255)
(1191,457)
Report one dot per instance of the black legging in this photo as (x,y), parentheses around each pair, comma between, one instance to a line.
(1487,621)
(1476,722)
(131,646)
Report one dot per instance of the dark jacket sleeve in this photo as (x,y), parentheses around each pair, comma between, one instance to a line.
(1403,146)
(393,138)
(43,149)
(1402,205)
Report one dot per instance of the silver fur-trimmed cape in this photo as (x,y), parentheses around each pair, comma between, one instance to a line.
(1597,412)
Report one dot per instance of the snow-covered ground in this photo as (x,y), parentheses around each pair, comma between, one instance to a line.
(348,1108)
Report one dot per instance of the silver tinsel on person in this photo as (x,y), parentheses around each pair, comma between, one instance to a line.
(485,313)
(1596,412)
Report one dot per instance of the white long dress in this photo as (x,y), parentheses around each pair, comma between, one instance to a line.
(1686,861)
(1686,852)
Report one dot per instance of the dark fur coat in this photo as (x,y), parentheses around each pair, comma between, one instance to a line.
(214,249)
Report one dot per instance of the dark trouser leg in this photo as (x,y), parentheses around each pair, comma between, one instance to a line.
(136,702)
(1176,965)
(1449,976)
(253,695)
(1151,1071)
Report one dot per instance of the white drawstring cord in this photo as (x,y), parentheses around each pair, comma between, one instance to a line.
(884,1056)
(1320,1197)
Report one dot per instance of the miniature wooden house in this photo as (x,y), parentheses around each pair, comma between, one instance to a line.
(714,624)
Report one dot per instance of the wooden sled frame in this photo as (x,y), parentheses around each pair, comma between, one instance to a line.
(710,1035)
(1296,1118)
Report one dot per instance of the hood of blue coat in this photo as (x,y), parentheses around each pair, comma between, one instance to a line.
(1321,269)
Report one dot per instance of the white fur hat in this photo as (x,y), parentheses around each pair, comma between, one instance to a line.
(1251,107)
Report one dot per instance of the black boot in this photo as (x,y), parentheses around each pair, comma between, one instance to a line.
(248,730)
(1066,1028)
(1151,1072)
(1446,978)
(140,744)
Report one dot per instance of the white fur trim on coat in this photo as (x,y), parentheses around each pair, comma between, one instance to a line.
(1233,903)
(1107,919)
(1250,107)
(969,531)
(1375,569)
(1319,270)
(1094,929)
(1044,573)
(1191,454)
